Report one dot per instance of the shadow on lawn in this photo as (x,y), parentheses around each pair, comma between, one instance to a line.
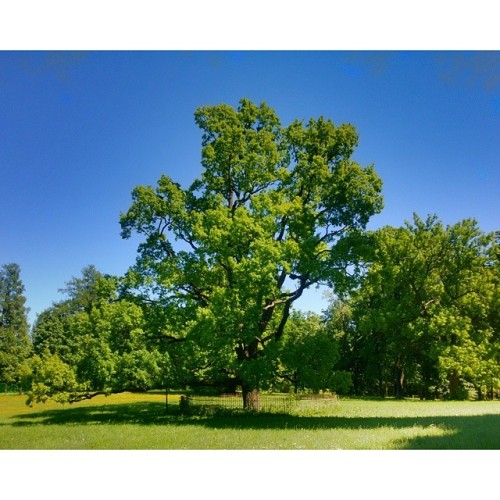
(465,432)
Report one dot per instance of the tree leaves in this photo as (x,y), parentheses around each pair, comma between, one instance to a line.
(269,209)
(426,304)
(92,343)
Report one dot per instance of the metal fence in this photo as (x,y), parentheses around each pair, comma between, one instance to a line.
(318,398)
(266,402)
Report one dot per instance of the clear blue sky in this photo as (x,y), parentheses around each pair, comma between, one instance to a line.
(79,130)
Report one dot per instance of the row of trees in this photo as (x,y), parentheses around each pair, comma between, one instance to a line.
(423,321)
(425,318)
(101,340)
(210,299)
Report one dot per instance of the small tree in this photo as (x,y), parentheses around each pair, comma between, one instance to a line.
(276,210)
(14,329)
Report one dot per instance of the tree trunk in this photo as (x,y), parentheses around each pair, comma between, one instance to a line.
(399,380)
(382,387)
(231,385)
(250,398)
(454,385)
(480,395)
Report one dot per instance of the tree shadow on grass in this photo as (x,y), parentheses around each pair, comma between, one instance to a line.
(463,432)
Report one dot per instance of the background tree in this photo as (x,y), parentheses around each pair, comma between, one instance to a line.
(89,289)
(423,313)
(92,343)
(276,210)
(309,355)
(14,329)
(340,322)
(467,323)
(51,328)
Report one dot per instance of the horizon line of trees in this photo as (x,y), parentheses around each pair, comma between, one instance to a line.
(423,321)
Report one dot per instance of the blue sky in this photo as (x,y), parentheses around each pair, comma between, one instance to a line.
(79,130)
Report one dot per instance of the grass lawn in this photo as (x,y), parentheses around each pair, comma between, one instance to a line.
(138,421)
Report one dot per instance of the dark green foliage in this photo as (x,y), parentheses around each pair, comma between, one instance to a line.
(309,356)
(185,406)
(423,320)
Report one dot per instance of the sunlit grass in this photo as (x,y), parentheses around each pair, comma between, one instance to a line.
(139,421)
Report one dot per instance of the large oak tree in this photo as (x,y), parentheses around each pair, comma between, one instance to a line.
(276,210)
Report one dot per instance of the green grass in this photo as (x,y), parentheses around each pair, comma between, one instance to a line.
(139,421)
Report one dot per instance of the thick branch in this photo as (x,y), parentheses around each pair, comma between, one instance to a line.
(281,327)
(171,339)
(167,248)
(81,396)
(292,297)
(229,272)
(333,233)
(281,279)
(188,240)
(283,228)
(274,303)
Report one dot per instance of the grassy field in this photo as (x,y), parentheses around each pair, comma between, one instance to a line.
(139,421)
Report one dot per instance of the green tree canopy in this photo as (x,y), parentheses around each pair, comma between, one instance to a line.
(275,211)
(309,355)
(92,343)
(426,310)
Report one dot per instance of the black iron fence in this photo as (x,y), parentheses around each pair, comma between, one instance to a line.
(279,403)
